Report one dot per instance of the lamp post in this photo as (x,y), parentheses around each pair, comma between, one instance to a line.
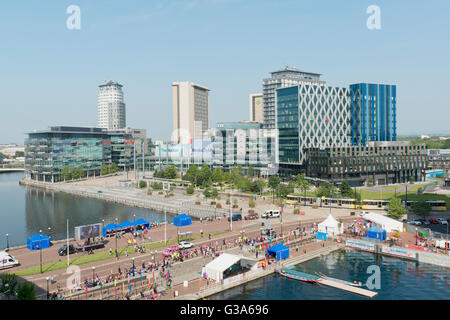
(115,236)
(7,242)
(48,295)
(133,263)
(93,275)
(134,217)
(40,248)
(416,236)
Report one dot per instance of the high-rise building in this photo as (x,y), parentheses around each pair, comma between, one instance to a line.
(373,113)
(256,108)
(311,115)
(111,108)
(190,111)
(287,77)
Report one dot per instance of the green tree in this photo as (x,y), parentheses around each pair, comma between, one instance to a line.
(302,183)
(274,181)
(258,186)
(142,184)
(105,169)
(113,168)
(251,171)
(157,185)
(26,291)
(421,207)
(190,190)
(204,178)
(8,285)
(191,174)
(396,209)
(327,190)
(170,172)
(207,193)
(251,203)
(214,193)
(345,190)
(244,184)
(217,175)
(65,173)
(19,154)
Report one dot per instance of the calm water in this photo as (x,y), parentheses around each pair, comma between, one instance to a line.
(24,211)
(400,279)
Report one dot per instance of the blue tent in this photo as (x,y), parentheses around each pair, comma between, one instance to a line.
(321,236)
(142,222)
(182,220)
(109,227)
(281,252)
(37,240)
(375,232)
(125,225)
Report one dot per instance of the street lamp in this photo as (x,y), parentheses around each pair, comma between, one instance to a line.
(93,275)
(48,295)
(7,242)
(133,262)
(416,236)
(134,215)
(40,248)
(115,236)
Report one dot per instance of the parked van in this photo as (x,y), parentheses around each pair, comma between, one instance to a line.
(271,214)
(7,260)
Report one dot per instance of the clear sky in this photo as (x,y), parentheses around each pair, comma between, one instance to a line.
(49,75)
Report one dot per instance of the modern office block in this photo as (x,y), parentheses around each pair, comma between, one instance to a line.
(311,115)
(111,108)
(47,152)
(190,111)
(256,108)
(287,77)
(373,113)
(376,163)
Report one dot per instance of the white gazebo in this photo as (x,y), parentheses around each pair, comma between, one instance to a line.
(330,226)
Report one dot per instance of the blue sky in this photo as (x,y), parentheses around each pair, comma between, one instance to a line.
(49,75)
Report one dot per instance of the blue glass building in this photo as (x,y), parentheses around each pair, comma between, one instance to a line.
(373,113)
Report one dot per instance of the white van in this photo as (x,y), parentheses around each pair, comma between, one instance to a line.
(271,214)
(7,260)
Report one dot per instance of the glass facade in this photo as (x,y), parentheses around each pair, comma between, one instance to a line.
(373,113)
(288,122)
(48,152)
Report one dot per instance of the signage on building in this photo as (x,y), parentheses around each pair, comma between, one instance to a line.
(360,245)
(399,252)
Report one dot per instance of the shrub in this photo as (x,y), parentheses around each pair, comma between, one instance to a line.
(251,203)
(190,190)
(197,202)
(219,206)
(149,192)
(142,184)
(228,201)
(251,211)
(235,206)
(315,206)
(213,203)
(296,211)
(160,192)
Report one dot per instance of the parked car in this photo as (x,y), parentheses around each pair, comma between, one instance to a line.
(363,213)
(185,245)
(442,221)
(416,222)
(271,214)
(251,216)
(7,260)
(434,221)
(63,250)
(236,217)
(267,232)
(425,222)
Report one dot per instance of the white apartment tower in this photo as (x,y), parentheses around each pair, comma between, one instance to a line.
(111,108)
(190,111)
(256,108)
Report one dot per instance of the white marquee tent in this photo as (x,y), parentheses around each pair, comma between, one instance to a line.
(214,269)
(330,226)
(384,222)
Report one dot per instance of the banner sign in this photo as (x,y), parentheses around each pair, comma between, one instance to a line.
(360,245)
(434,258)
(399,252)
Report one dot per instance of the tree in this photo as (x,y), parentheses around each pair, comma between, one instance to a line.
(217,175)
(214,193)
(142,184)
(157,185)
(113,168)
(65,173)
(170,172)
(251,203)
(327,190)
(345,190)
(19,154)
(274,181)
(204,178)
(105,169)
(244,184)
(257,186)
(250,171)
(26,291)
(190,190)
(396,209)
(207,193)
(8,285)
(302,183)
(191,174)
(421,207)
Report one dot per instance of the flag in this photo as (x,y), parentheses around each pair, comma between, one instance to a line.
(123,289)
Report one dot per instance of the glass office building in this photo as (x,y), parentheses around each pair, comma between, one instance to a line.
(373,113)
(311,116)
(47,152)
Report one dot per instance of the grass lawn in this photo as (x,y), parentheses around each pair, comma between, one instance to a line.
(80,259)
